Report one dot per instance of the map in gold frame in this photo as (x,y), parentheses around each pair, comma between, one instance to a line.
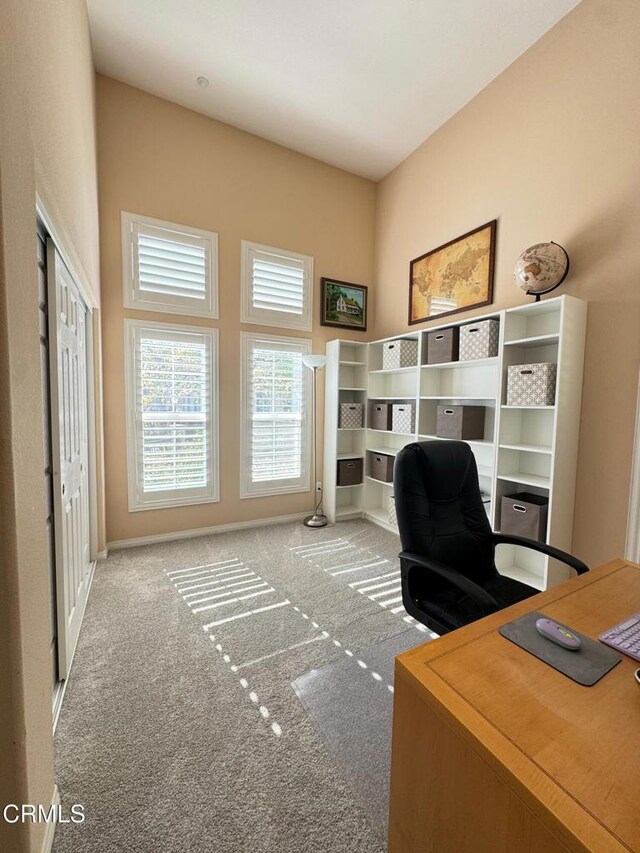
(454,277)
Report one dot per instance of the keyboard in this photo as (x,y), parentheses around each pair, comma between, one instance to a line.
(625,637)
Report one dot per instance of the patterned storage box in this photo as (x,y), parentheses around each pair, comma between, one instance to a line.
(479,340)
(401,353)
(351,416)
(393,518)
(531,384)
(402,417)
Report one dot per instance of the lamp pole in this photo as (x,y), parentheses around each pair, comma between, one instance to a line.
(317,518)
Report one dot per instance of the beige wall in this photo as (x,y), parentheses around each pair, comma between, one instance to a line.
(47,144)
(161,160)
(552,149)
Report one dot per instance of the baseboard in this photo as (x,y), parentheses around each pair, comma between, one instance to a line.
(50,830)
(203,531)
(102,555)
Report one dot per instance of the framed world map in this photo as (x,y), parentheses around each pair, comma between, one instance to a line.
(454,277)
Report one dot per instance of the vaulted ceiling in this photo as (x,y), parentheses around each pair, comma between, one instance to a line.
(356,83)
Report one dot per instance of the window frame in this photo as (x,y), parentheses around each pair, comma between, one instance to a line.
(272,487)
(183,305)
(271,317)
(168,497)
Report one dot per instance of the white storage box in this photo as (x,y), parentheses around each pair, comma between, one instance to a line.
(351,416)
(531,384)
(402,417)
(479,340)
(393,518)
(400,353)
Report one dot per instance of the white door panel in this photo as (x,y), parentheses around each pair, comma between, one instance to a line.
(68,355)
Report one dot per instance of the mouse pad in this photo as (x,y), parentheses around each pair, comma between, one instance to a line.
(587,665)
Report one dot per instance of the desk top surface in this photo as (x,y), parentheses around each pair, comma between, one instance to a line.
(572,750)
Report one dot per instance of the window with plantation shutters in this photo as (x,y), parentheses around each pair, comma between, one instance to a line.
(169,267)
(276,393)
(276,287)
(171,379)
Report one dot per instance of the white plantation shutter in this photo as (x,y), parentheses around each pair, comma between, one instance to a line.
(171,397)
(169,267)
(278,284)
(276,287)
(276,425)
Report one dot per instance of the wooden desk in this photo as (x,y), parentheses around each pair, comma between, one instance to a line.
(494,751)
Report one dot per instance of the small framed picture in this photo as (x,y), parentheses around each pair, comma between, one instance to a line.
(344,304)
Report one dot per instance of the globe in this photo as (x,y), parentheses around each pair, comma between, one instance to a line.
(541,268)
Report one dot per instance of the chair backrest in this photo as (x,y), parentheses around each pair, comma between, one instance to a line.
(439,508)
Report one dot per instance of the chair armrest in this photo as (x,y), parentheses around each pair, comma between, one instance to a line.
(463,583)
(556,553)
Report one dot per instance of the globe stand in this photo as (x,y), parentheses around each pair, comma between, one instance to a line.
(537,294)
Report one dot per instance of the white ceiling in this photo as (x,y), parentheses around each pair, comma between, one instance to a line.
(356,83)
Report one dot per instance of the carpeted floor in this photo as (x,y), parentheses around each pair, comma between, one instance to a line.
(181,730)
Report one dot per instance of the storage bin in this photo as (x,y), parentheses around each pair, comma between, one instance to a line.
(479,340)
(443,345)
(402,417)
(525,515)
(531,384)
(393,518)
(349,472)
(400,353)
(380,466)
(379,416)
(351,416)
(461,422)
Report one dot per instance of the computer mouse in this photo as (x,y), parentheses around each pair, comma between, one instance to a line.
(558,634)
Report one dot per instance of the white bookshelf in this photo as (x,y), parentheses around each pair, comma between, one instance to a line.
(532,449)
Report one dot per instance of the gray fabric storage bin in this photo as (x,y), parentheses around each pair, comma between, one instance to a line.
(380,466)
(531,384)
(402,417)
(443,345)
(400,353)
(479,340)
(351,416)
(379,416)
(461,422)
(349,472)
(525,515)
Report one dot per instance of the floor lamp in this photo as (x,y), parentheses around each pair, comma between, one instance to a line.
(317,518)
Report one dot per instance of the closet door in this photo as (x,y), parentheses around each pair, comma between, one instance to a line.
(69,440)
(43,308)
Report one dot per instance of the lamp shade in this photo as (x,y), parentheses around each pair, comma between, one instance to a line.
(314,361)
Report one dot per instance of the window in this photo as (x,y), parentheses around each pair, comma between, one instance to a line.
(276,287)
(168,267)
(172,414)
(276,390)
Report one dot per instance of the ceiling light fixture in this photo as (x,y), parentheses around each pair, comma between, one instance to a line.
(203,82)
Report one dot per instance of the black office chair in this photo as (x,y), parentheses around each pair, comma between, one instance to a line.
(449,577)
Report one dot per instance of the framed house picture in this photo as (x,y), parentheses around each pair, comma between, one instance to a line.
(454,277)
(344,304)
